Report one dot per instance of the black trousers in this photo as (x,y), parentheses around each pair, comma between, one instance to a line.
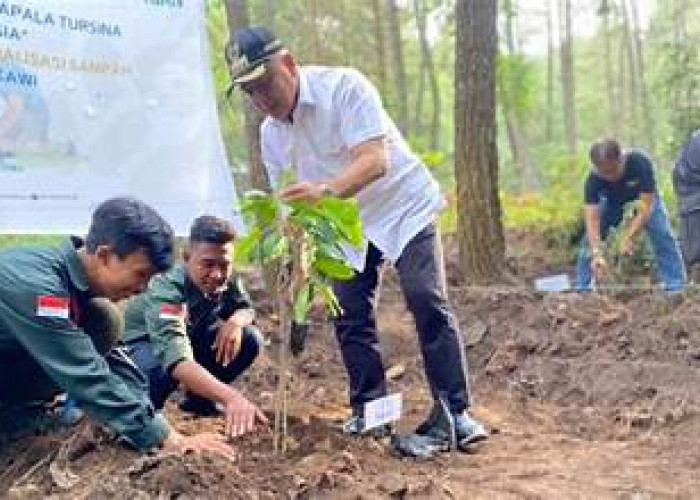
(161,383)
(422,276)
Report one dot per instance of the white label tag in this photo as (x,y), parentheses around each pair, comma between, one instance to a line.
(383,411)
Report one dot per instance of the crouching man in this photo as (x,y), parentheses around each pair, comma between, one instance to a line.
(194,326)
(617,178)
(58,330)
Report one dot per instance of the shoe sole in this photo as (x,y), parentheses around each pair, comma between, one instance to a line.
(471,441)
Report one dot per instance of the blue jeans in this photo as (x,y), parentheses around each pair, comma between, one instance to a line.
(161,383)
(671,270)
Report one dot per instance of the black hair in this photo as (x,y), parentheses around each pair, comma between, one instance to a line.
(210,229)
(605,149)
(129,225)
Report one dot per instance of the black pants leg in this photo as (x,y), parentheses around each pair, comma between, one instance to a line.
(251,345)
(356,331)
(161,383)
(422,275)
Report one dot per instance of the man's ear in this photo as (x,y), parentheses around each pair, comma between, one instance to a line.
(290,63)
(103,253)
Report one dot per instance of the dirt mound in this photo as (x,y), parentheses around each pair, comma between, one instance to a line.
(586,395)
(618,365)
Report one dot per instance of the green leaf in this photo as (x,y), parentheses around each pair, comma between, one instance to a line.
(331,300)
(273,246)
(345,214)
(260,209)
(333,268)
(245,247)
(330,250)
(302,303)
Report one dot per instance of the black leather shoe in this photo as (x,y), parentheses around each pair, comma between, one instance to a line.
(440,426)
(199,406)
(355,426)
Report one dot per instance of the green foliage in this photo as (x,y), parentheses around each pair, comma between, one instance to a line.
(626,269)
(557,212)
(440,163)
(677,82)
(305,241)
(24,240)
(517,84)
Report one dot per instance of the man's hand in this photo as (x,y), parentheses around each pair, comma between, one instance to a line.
(228,342)
(627,246)
(241,415)
(600,266)
(207,443)
(305,191)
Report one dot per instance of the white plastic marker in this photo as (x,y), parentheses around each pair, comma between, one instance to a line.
(556,283)
(383,411)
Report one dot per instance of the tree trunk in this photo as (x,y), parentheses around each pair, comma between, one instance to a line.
(348,54)
(399,67)
(517,137)
(480,229)
(379,42)
(550,71)
(237,17)
(609,72)
(311,16)
(567,75)
(417,124)
(429,67)
(633,83)
(622,128)
(644,100)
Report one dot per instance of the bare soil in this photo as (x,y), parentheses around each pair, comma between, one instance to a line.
(586,396)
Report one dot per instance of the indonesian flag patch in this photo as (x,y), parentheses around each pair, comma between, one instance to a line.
(172,311)
(50,306)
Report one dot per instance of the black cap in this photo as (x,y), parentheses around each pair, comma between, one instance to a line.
(248,50)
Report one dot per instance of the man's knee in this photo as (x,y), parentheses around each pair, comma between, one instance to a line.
(252,342)
(103,323)
(430,310)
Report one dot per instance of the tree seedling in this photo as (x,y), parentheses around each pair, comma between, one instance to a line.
(625,269)
(302,243)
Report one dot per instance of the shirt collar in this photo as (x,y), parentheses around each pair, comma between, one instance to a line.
(306,96)
(76,268)
(192,292)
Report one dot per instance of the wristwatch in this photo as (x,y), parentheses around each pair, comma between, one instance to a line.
(327,190)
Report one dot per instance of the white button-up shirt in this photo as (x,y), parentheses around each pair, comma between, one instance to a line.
(338,109)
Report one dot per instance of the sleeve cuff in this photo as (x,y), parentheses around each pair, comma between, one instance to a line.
(176,354)
(152,435)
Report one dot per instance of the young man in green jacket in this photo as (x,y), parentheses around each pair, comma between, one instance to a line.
(56,335)
(194,326)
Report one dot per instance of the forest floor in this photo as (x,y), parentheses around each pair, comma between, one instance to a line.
(586,396)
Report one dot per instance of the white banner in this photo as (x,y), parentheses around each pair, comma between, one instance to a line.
(100,98)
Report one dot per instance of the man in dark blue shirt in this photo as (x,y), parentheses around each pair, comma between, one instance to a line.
(617,178)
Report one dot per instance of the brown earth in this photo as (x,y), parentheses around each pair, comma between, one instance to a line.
(587,396)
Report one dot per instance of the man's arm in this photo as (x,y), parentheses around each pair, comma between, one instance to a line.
(236,313)
(635,226)
(67,355)
(241,414)
(168,335)
(592,217)
(362,130)
(369,163)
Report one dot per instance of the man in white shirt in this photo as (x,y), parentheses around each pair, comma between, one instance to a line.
(329,125)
